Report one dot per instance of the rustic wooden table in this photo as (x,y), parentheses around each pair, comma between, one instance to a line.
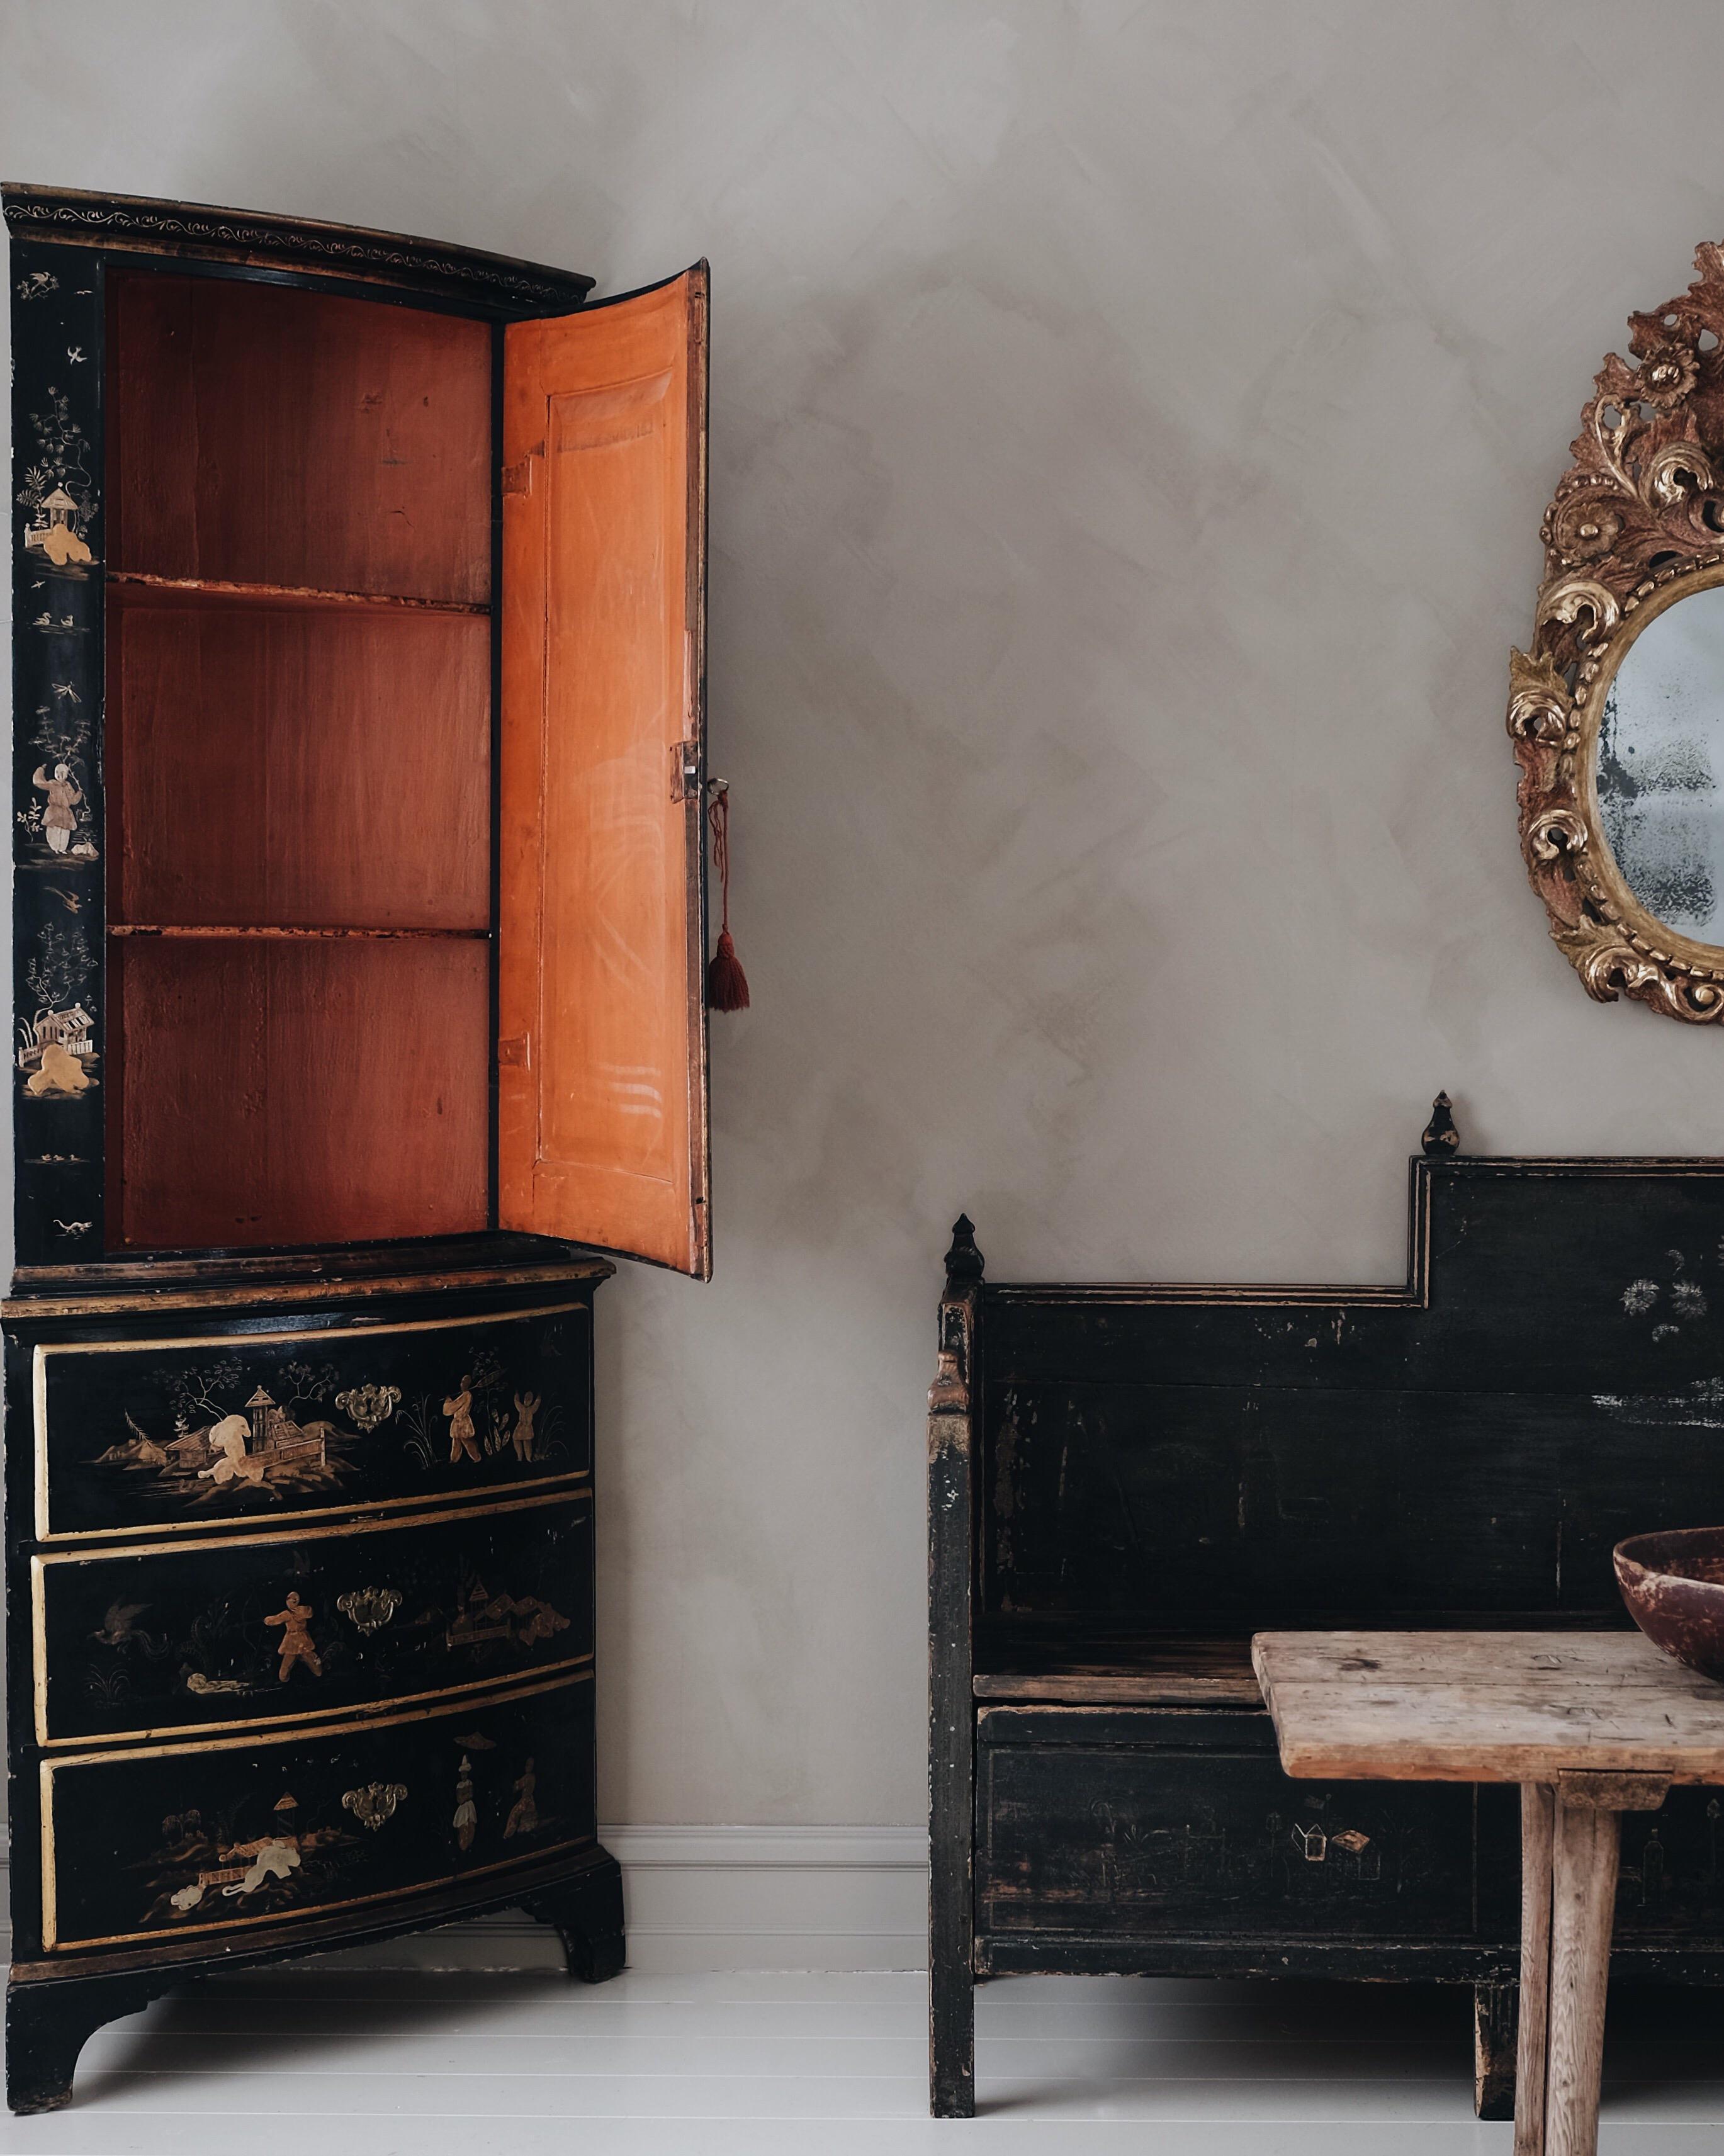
(1591,1725)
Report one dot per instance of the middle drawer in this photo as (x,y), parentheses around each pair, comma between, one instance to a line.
(165,1638)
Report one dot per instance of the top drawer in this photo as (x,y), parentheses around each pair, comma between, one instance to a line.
(257,1425)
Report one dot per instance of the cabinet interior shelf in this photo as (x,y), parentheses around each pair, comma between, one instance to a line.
(134,587)
(208,930)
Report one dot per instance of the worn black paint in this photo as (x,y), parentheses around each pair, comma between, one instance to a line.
(1161,1471)
(1146,1820)
(953,1430)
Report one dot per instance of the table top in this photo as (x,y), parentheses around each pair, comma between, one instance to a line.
(1486,1707)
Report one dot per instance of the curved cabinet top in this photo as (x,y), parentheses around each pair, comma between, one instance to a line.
(497,283)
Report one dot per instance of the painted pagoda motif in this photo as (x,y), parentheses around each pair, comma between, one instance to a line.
(54,532)
(263,1448)
(56,1049)
(70,1031)
(263,1443)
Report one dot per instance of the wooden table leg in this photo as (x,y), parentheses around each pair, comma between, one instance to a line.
(1539,1808)
(1588,1846)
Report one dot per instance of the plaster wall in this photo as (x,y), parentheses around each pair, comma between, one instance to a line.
(1130,425)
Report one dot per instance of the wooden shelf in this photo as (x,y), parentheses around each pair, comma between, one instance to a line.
(209,932)
(133,588)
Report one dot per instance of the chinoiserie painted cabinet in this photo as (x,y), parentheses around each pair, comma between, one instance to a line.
(358,957)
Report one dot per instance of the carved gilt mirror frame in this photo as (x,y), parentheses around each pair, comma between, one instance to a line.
(1636,524)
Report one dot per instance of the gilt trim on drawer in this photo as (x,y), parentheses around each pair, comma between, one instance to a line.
(507,1696)
(361,1710)
(147,1296)
(45,1531)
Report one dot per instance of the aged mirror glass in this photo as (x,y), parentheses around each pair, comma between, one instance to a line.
(1659,766)
(1617,709)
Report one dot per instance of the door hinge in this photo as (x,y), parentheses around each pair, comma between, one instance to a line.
(518,477)
(517,1049)
(685,771)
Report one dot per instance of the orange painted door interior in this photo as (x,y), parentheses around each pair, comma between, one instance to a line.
(602,1053)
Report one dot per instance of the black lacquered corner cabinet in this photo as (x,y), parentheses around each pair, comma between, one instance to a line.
(358,949)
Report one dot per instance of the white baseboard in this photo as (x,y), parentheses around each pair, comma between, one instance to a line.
(721,1897)
(773,1897)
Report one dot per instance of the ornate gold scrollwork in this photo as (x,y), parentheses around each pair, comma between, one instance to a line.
(1636,523)
(1539,701)
(1557,834)
(1588,607)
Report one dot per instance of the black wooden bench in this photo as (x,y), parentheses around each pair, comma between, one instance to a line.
(1127,1482)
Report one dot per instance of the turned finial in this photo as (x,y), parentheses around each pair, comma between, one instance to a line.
(1440,1136)
(963,1261)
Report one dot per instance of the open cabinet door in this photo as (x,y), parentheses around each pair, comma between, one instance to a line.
(602,1128)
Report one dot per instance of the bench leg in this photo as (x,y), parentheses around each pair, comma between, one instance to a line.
(1494,2049)
(951,2040)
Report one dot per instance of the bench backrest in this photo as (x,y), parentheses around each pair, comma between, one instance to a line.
(1470,1446)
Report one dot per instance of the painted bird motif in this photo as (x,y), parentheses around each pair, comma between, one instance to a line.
(118,1626)
(120,1629)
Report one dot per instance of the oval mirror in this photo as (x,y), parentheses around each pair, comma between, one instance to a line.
(1660,767)
(1616,705)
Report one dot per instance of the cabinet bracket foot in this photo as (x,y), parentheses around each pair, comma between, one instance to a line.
(587,1915)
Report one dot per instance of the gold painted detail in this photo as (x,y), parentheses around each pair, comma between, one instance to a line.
(172,1287)
(529,1625)
(1635,525)
(263,1443)
(241,1871)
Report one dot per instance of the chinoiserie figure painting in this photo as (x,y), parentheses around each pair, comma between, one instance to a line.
(524,1812)
(59,818)
(466,1818)
(294,1623)
(462,1442)
(232,1463)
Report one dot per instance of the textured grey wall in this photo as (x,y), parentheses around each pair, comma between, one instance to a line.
(1130,424)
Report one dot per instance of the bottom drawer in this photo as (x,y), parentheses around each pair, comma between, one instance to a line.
(1120,1821)
(214,1837)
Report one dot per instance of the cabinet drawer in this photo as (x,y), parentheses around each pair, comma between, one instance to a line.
(165,1638)
(199,1839)
(176,1432)
(1145,1820)
(1671,1887)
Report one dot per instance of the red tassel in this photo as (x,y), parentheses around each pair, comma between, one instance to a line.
(727,983)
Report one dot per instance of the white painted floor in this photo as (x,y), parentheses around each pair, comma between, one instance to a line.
(346,2062)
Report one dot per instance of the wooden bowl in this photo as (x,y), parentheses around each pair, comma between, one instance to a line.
(1674,1586)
